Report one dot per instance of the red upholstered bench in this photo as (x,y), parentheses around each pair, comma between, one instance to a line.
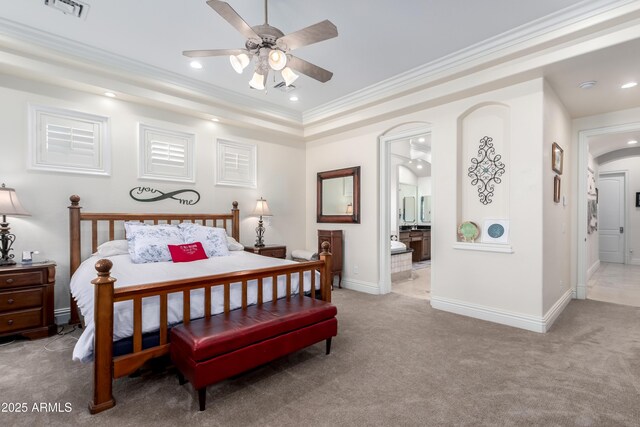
(206,351)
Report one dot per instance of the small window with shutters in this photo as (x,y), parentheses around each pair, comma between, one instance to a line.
(166,154)
(236,164)
(68,141)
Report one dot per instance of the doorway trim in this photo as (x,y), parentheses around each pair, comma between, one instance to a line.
(384,166)
(581,199)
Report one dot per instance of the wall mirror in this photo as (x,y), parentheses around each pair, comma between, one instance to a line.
(425,209)
(407,197)
(338,196)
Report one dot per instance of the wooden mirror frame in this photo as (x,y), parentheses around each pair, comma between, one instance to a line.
(340,173)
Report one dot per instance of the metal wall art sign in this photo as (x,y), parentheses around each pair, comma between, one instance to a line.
(148,194)
(486,170)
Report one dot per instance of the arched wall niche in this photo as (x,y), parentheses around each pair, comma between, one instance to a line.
(484,133)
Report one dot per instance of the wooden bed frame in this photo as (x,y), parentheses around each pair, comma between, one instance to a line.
(106,367)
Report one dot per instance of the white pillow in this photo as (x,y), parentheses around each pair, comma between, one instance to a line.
(149,243)
(213,239)
(112,248)
(234,245)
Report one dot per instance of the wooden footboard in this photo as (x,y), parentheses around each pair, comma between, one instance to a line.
(106,366)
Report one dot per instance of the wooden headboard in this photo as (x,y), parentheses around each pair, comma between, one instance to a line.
(229,221)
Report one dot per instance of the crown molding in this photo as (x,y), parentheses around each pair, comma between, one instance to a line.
(561,23)
(82,53)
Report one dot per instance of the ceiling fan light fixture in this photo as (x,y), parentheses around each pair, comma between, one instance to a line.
(257,81)
(289,76)
(239,62)
(277,59)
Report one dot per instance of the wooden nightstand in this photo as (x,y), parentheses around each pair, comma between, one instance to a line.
(26,300)
(274,251)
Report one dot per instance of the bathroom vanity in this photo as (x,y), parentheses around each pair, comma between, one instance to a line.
(418,238)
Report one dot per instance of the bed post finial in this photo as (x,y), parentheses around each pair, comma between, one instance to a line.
(74,252)
(326,274)
(235,224)
(103,339)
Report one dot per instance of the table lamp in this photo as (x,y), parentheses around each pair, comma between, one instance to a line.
(262,209)
(9,205)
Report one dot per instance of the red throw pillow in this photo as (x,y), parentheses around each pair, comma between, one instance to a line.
(188,252)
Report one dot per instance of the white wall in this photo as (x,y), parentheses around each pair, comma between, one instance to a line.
(46,194)
(497,286)
(632,166)
(557,216)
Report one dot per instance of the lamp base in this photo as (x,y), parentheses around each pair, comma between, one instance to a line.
(5,262)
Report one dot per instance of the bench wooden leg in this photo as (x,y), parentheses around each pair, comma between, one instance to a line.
(328,345)
(202,397)
(181,379)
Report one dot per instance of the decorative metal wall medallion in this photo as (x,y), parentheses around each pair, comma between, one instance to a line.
(486,170)
(152,195)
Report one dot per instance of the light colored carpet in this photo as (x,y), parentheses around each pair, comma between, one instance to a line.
(396,361)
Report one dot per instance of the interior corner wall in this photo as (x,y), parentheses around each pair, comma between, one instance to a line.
(46,194)
(556,216)
(505,288)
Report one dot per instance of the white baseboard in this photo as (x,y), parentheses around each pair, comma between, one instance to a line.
(361,286)
(62,315)
(553,313)
(503,317)
(594,268)
(634,261)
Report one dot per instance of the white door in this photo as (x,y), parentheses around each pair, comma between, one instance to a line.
(611,217)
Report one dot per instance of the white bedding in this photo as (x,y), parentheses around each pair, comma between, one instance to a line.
(128,273)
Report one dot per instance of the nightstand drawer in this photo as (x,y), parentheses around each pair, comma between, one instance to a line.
(275,253)
(16,300)
(20,320)
(20,279)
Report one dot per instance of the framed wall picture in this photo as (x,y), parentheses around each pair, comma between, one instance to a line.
(557,155)
(496,231)
(556,189)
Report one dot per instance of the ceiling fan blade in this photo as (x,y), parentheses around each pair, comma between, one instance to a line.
(312,34)
(309,69)
(232,17)
(213,52)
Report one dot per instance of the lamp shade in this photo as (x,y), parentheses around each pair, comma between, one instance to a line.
(9,203)
(239,62)
(257,81)
(277,59)
(350,208)
(262,209)
(289,76)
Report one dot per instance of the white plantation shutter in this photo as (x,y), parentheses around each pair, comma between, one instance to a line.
(68,141)
(166,154)
(236,164)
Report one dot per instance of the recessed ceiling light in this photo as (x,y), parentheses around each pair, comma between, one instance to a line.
(420,139)
(631,142)
(110,94)
(293,98)
(410,161)
(419,166)
(629,85)
(588,84)
(196,65)
(215,119)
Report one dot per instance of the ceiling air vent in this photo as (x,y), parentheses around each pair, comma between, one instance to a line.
(283,87)
(69,7)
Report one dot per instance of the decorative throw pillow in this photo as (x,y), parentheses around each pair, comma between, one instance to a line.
(112,248)
(234,245)
(148,243)
(187,252)
(213,239)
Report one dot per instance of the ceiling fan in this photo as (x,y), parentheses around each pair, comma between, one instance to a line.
(271,47)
